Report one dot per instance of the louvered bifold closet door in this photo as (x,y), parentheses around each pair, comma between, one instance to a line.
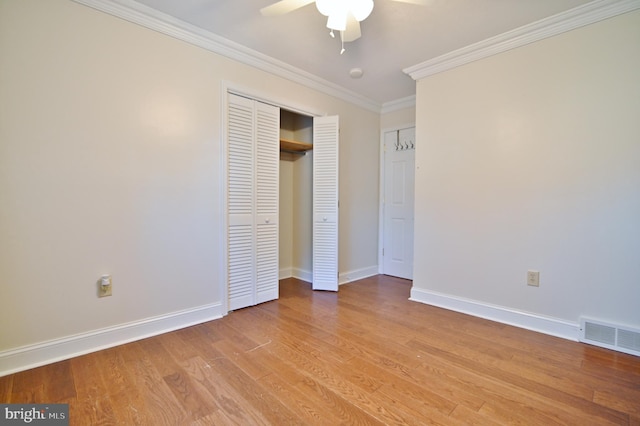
(267,189)
(253,184)
(325,203)
(241,202)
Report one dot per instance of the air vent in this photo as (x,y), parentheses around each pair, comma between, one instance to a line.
(611,336)
(629,340)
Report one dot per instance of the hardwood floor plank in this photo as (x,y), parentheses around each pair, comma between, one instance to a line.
(544,394)
(155,403)
(230,401)
(42,385)
(168,355)
(204,332)
(176,343)
(308,409)
(308,403)
(6,387)
(271,408)
(628,402)
(366,344)
(192,401)
(297,332)
(365,355)
(507,359)
(394,386)
(92,406)
(60,384)
(334,378)
(250,361)
(502,401)
(618,368)
(307,360)
(217,418)
(109,366)
(348,412)
(467,416)
(28,386)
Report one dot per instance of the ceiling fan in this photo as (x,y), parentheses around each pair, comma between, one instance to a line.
(342,15)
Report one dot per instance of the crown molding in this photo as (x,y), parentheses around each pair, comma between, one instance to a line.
(408,102)
(147,17)
(580,16)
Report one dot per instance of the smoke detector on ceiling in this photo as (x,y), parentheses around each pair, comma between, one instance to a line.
(356,72)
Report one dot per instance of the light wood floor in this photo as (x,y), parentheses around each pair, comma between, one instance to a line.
(366,355)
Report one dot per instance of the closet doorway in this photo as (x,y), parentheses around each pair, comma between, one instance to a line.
(296,196)
(265,167)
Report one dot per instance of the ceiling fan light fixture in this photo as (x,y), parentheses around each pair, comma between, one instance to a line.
(326,7)
(343,13)
(338,10)
(361,9)
(337,21)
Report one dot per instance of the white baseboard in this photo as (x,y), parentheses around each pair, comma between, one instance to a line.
(358,274)
(285,273)
(299,274)
(547,325)
(343,278)
(302,274)
(31,356)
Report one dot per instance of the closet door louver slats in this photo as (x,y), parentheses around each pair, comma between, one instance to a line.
(240,203)
(267,172)
(253,179)
(325,203)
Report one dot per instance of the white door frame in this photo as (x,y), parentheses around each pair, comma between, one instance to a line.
(382,194)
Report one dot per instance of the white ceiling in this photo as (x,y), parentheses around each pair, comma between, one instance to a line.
(395,36)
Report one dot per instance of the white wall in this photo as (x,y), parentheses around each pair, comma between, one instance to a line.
(531,160)
(400,117)
(296,212)
(285,221)
(302,239)
(110,163)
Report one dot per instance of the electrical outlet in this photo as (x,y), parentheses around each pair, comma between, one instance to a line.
(104,290)
(533,278)
(104,286)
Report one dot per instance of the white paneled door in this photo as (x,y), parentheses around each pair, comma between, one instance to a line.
(252,198)
(325,203)
(399,176)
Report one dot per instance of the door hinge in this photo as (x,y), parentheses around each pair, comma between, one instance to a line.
(383,251)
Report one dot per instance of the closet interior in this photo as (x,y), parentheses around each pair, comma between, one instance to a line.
(296,195)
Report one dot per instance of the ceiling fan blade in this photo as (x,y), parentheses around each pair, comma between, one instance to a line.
(352,32)
(418,2)
(284,6)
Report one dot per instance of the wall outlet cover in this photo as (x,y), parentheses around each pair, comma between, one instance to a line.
(533,278)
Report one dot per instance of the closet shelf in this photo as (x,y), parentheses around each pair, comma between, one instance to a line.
(294,146)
